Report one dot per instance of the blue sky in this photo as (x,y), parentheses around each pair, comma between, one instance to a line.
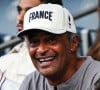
(8,14)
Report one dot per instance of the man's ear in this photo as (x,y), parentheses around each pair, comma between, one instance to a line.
(74,43)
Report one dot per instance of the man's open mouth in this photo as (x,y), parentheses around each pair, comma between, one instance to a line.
(46,59)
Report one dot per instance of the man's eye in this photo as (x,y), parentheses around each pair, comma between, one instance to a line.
(52,40)
(18,9)
(33,43)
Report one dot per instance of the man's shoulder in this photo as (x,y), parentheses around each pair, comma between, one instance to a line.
(93,69)
(7,84)
(33,81)
(10,85)
(94,62)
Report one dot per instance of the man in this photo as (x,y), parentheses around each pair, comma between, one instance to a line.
(52,42)
(17,64)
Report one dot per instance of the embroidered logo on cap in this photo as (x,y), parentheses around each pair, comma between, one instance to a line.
(40,15)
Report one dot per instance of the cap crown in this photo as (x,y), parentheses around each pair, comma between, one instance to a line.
(49,17)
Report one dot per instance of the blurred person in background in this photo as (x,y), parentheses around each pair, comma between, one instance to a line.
(97,85)
(17,64)
(94,50)
(6,84)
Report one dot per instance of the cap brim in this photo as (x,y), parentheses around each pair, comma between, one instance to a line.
(54,31)
(24,32)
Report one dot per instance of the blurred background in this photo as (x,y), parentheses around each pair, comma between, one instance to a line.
(84,12)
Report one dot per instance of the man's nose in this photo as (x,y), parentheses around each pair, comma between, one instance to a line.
(42,49)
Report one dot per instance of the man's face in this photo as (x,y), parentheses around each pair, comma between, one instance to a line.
(50,53)
(22,7)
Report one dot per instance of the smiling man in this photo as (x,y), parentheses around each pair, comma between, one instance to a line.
(17,64)
(52,46)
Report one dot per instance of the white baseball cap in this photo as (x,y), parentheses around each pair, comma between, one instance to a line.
(52,18)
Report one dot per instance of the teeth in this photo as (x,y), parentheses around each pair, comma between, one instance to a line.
(46,59)
(42,60)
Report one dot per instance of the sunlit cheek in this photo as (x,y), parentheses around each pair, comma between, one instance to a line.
(31,51)
(59,50)
(62,50)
